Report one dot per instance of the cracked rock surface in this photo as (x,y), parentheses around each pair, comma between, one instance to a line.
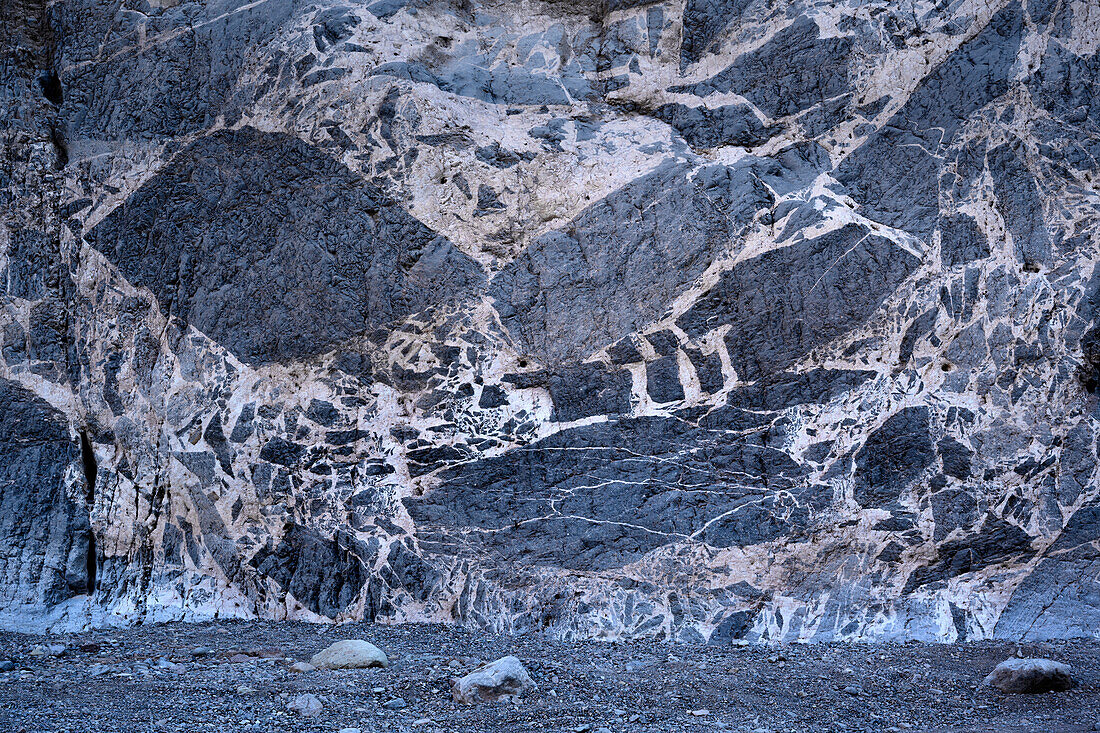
(695,320)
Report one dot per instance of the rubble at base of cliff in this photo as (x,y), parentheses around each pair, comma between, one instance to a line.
(248,677)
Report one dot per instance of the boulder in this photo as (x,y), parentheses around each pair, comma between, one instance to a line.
(1030,676)
(307,705)
(350,654)
(500,680)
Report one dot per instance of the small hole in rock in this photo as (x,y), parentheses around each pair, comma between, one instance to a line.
(51,88)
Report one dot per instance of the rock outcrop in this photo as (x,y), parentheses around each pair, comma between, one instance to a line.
(696,319)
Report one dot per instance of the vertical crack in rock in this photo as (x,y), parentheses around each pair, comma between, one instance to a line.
(88,461)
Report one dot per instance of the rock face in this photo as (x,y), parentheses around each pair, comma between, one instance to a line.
(349,654)
(503,679)
(712,320)
(1031,676)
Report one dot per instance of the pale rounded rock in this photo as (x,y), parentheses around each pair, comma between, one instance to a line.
(350,654)
(307,705)
(503,679)
(1031,676)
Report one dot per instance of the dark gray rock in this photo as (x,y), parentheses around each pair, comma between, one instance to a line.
(492,396)
(919,328)
(624,351)
(703,21)
(893,457)
(1061,596)
(1068,85)
(498,157)
(788,301)
(246,250)
(786,389)
(955,458)
(708,369)
(996,541)
(894,175)
(580,390)
(600,495)
(701,127)
(961,241)
(49,549)
(663,380)
(111,92)
(793,71)
(1020,205)
(324,575)
(611,271)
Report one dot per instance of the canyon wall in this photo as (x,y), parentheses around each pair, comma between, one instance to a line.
(695,319)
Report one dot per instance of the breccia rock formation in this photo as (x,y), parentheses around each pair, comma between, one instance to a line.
(693,319)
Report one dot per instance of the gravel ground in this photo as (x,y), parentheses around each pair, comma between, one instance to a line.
(110,681)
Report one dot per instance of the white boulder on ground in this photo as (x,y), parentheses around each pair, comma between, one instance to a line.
(350,654)
(1031,675)
(500,680)
(307,705)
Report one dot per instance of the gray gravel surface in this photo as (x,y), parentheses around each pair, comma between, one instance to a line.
(235,676)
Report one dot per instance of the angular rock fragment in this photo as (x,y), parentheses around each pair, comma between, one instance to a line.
(504,679)
(307,705)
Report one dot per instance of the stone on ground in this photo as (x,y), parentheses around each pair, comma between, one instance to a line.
(350,654)
(307,705)
(1031,676)
(302,667)
(500,680)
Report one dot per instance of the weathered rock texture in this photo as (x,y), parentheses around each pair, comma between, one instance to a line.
(704,319)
